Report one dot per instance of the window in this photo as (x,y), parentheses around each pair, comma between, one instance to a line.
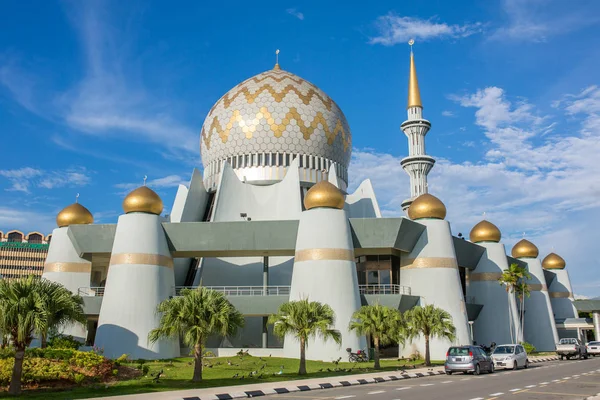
(458,351)
(15,237)
(385,277)
(35,238)
(372,277)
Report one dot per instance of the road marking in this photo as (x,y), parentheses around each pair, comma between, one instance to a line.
(555,380)
(497,394)
(477,398)
(345,397)
(465,379)
(428,384)
(447,382)
(530,386)
(568,377)
(557,394)
(403,388)
(544,383)
(377,392)
(514,390)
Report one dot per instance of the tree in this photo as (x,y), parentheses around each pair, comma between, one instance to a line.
(23,312)
(383,324)
(430,322)
(63,308)
(196,315)
(514,279)
(303,320)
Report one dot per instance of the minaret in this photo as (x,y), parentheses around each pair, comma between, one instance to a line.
(418,164)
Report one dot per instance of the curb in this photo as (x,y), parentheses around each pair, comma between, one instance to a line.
(330,385)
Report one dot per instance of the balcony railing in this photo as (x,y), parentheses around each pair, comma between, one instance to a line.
(90,291)
(384,289)
(243,290)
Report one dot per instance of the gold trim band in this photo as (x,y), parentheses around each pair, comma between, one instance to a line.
(560,295)
(68,267)
(141,258)
(536,287)
(324,254)
(485,276)
(432,262)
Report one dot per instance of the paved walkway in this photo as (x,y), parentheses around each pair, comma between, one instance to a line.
(265,388)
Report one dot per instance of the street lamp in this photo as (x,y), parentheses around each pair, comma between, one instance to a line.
(471,326)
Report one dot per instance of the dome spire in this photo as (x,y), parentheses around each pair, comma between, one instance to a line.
(414,95)
(276,67)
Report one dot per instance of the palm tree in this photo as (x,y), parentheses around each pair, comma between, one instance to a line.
(63,308)
(196,315)
(23,312)
(303,320)
(430,322)
(514,279)
(383,324)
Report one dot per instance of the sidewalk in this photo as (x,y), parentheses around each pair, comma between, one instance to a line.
(265,388)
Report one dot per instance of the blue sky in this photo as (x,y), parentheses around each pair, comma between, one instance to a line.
(95,95)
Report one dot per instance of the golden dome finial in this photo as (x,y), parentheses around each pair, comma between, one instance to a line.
(276,67)
(75,214)
(525,249)
(144,200)
(414,95)
(554,261)
(427,206)
(485,231)
(324,194)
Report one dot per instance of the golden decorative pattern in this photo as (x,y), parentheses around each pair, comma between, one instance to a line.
(68,267)
(324,254)
(278,96)
(524,248)
(141,259)
(249,127)
(554,261)
(536,287)
(75,214)
(427,206)
(431,262)
(485,231)
(143,199)
(324,194)
(484,276)
(560,295)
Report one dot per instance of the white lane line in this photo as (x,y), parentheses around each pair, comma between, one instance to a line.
(575,375)
(544,383)
(465,379)
(345,397)
(403,388)
(427,384)
(477,398)
(497,394)
(514,390)
(530,386)
(555,380)
(447,382)
(377,392)
(568,377)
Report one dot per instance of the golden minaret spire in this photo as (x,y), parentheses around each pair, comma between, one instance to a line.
(414,95)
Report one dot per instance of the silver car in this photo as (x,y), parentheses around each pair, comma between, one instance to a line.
(467,359)
(593,348)
(510,356)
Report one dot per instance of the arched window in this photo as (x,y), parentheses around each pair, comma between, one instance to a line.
(35,237)
(14,236)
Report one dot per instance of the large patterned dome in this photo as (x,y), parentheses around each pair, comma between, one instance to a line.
(265,122)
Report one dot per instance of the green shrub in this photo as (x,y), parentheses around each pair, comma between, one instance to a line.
(529,348)
(51,354)
(79,378)
(122,359)
(115,372)
(86,360)
(7,353)
(208,354)
(64,342)
(145,370)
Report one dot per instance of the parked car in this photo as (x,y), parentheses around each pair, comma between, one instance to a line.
(467,359)
(593,348)
(571,348)
(510,356)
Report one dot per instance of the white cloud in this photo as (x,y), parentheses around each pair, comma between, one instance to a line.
(24,178)
(26,220)
(393,29)
(295,13)
(447,113)
(547,186)
(164,182)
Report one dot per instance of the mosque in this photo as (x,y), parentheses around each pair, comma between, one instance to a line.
(270,219)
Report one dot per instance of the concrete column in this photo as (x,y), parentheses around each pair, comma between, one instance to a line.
(265,275)
(596,317)
(265,332)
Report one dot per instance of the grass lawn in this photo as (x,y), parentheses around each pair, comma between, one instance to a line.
(543,353)
(177,375)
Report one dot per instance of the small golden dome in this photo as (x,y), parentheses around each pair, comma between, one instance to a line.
(427,206)
(143,199)
(324,194)
(75,214)
(554,261)
(485,231)
(524,248)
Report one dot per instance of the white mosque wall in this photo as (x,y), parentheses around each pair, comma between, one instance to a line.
(561,295)
(498,320)
(134,289)
(362,203)
(329,281)
(539,327)
(62,252)
(433,275)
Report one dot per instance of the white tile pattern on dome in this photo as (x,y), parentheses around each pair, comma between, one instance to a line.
(275,112)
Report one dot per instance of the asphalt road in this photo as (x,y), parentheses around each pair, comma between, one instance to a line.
(546,381)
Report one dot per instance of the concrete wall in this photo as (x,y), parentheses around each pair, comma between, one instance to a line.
(362,203)
(561,295)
